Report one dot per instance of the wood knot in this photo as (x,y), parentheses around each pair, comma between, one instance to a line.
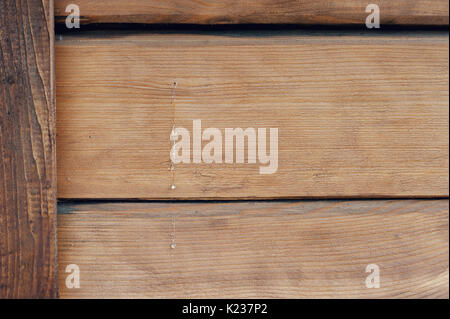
(10,80)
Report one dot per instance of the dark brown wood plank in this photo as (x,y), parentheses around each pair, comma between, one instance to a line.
(404,12)
(27,150)
(269,249)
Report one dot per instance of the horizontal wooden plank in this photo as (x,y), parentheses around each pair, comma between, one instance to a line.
(287,249)
(357,116)
(406,12)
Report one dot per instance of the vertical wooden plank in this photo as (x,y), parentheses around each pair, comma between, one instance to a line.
(27,150)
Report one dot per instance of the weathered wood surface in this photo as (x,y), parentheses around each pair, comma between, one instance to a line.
(357,115)
(287,249)
(27,150)
(405,12)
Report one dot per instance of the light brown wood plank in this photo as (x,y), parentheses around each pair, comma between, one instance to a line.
(27,150)
(357,116)
(406,12)
(287,249)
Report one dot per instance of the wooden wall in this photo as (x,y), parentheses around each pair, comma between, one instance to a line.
(362,173)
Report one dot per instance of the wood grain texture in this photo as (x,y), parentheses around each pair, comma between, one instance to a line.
(287,249)
(405,12)
(358,115)
(27,150)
